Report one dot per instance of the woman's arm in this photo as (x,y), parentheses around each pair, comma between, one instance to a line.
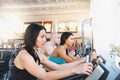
(28,63)
(58,52)
(72,56)
(79,65)
(53,66)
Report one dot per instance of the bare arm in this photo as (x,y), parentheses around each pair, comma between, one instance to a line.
(72,56)
(62,53)
(53,66)
(80,65)
(28,63)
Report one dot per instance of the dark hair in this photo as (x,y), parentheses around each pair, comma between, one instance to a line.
(64,36)
(30,36)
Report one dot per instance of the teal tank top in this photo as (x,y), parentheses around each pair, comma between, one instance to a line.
(57,60)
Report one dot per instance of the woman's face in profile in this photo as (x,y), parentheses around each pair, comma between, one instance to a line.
(70,40)
(41,39)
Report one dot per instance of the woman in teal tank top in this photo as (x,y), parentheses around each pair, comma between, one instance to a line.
(61,54)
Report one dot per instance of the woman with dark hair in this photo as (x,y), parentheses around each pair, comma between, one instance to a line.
(61,54)
(66,36)
(27,61)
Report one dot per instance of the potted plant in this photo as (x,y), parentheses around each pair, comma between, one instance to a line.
(115,52)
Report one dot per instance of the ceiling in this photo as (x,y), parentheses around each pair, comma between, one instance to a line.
(43,6)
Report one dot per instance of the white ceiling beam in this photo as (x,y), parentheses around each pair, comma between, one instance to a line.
(47,5)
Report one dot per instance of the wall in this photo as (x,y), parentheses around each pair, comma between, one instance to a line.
(16,29)
(106,22)
(65,17)
(103,24)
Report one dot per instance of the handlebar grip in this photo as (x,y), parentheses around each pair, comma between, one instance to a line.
(88,58)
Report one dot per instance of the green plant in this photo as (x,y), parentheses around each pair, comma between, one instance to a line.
(115,50)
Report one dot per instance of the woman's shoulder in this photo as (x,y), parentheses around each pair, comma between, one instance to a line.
(58,48)
(24,54)
(23,51)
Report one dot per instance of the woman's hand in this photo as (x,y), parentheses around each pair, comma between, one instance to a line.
(84,68)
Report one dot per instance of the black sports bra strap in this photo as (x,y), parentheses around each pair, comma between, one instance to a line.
(36,58)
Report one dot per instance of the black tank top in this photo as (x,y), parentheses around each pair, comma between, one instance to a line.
(18,74)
